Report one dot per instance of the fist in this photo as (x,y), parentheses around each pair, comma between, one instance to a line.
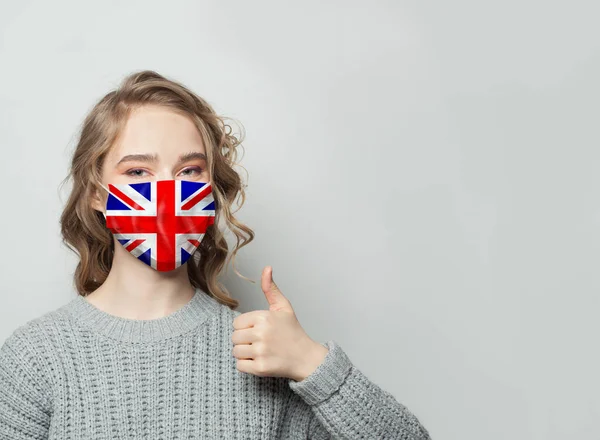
(272,342)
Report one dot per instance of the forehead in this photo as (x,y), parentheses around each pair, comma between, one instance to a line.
(157,130)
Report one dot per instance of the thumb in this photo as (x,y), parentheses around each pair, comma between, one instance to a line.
(274,296)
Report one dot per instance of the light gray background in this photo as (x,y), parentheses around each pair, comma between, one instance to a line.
(422,179)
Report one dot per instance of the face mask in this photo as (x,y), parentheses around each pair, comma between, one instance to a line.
(161,223)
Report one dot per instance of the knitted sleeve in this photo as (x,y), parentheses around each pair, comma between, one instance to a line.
(347,405)
(24,401)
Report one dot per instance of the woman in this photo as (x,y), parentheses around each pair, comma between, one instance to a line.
(152,346)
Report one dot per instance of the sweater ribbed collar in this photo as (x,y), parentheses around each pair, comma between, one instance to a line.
(200,308)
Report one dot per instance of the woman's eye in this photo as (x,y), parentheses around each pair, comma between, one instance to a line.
(138,172)
(186,172)
(135,173)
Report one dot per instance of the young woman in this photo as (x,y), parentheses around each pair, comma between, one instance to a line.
(151,347)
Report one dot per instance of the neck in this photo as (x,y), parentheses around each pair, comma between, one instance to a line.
(136,291)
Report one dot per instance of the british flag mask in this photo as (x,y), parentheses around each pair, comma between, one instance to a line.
(161,223)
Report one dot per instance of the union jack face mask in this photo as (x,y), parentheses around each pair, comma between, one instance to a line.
(161,223)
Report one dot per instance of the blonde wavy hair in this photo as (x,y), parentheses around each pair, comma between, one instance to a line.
(84,229)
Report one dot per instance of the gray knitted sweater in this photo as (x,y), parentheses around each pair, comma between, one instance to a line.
(80,373)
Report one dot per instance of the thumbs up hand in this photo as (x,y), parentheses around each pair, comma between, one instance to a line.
(272,342)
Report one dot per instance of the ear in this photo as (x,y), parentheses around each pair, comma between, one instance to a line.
(97,202)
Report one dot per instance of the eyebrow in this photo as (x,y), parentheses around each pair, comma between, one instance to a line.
(152,158)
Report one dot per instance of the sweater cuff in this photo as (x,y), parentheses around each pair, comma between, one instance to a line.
(327,377)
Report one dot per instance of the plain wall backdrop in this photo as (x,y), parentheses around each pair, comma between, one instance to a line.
(422,178)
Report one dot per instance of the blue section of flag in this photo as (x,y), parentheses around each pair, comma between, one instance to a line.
(188,188)
(184,255)
(145,257)
(143,189)
(114,204)
(124,242)
(210,206)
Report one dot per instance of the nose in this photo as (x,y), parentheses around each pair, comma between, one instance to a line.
(165,173)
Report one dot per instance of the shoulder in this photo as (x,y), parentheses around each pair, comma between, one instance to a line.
(32,340)
(223,310)
(31,331)
(26,347)
(24,359)
(226,315)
